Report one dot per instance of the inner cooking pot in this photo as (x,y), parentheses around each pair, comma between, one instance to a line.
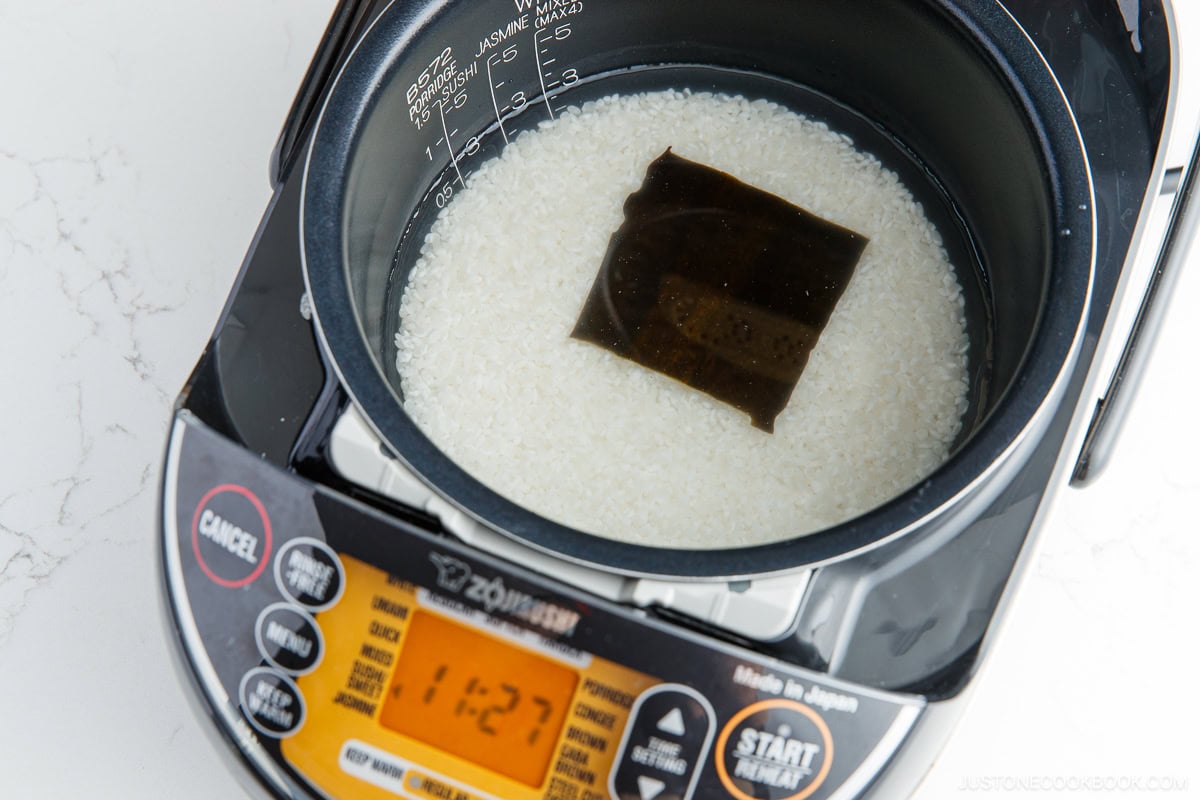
(952,96)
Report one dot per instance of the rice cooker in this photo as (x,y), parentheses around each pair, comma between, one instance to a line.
(358,616)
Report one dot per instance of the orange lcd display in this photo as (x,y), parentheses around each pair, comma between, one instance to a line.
(470,695)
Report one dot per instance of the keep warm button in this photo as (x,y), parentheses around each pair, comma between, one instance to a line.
(271,702)
(667,739)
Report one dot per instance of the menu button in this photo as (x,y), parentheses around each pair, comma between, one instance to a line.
(289,638)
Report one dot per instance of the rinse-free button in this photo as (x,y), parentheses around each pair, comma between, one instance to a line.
(289,638)
(271,702)
(310,573)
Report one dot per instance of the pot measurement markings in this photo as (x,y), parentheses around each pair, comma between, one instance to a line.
(505,55)
(438,91)
(551,73)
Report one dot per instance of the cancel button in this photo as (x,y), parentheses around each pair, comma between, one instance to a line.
(231,535)
(224,533)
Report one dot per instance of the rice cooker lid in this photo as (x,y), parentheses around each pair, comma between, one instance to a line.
(1016,420)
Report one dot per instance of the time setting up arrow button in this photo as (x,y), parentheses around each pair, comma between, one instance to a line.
(667,739)
(673,723)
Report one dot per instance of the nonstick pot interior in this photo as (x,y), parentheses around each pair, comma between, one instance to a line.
(952,96)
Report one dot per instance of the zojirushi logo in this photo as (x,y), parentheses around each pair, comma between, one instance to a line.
(496,597)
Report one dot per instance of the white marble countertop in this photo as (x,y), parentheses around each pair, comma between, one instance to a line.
(134,138)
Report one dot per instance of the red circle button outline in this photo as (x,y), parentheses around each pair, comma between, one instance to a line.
(266,521)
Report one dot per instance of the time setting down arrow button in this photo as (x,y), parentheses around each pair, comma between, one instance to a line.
(650,788)
(664,745)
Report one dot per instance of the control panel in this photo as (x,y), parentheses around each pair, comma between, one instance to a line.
(350,654)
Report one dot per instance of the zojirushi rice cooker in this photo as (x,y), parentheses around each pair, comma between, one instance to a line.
(360,616)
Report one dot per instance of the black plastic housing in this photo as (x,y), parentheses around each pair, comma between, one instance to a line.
(927,600)
(953,95)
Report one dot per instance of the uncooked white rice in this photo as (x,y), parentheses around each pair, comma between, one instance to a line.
(581,436)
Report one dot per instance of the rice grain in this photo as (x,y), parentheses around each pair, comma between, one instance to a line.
(568,430)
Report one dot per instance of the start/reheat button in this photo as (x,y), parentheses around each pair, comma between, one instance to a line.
(231,535)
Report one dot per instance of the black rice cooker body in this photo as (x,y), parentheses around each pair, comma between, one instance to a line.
(957,87)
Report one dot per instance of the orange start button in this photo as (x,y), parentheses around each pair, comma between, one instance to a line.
(780,749)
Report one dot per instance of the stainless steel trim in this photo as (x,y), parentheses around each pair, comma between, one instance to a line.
(219,702)
(1072,442)
(1108,420)
(878,758)
(1171,180)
